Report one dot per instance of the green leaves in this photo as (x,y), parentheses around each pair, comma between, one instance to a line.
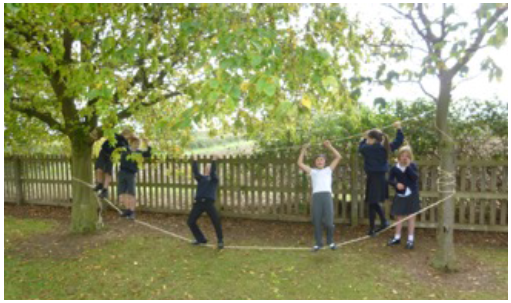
(256,60)
(267,85)
(218,59)
(330,83)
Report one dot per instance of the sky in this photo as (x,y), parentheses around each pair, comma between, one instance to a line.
(479,87)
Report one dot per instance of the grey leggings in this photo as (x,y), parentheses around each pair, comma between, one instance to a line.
(323,213)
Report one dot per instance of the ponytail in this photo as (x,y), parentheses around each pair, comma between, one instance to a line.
(386,144)
(382,138)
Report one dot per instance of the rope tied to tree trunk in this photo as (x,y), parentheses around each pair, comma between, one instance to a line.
(446,184)
(295,248)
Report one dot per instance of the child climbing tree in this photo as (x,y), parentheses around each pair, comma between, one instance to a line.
(79,67)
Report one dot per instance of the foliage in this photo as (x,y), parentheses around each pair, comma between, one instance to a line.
(479,127)
(442,42)
(77,67)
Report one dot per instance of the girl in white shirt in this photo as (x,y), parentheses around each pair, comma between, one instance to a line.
(322,203)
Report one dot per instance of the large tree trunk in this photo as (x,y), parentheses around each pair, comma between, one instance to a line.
(84,213)
(445,258)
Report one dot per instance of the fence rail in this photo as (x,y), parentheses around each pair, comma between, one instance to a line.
(269,187)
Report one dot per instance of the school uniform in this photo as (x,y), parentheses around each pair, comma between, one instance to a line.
(126,179)
(376,166)
(205,197)
(104,161)
(322,205)
(406,201)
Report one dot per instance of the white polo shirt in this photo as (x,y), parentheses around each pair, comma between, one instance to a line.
(321,180)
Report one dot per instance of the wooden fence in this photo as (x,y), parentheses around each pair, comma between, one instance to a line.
(273,188)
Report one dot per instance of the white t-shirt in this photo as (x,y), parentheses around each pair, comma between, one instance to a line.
(321,180)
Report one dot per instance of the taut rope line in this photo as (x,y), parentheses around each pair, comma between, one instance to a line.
(174,235)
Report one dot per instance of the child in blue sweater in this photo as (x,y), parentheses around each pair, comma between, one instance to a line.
(205,197)
(404,177)
(376,148)
(126,179)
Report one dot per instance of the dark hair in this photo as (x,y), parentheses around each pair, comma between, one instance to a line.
(380,137)
(320,155)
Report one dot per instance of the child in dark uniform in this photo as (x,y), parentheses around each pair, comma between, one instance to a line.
(404,178)
(205,196)
(376,148)
(104,165)
(126,183)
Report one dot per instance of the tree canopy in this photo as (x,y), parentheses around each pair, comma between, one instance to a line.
(77,67)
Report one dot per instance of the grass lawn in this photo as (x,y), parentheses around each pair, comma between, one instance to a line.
(139,264)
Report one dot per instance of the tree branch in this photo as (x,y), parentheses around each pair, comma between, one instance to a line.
(128,112)
(414,25)
(419,82)
(33,113)
(477,41)
(427,24)
(397,45)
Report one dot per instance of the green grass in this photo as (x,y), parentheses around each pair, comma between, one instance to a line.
(15,229)
(153,267)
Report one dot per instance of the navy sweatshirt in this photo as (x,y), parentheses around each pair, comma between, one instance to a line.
(130,165)
(375,155)
(409,178)
(206,185)
(107,149)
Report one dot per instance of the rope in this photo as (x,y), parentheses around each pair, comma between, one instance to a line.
(100,222)
(174,235)
(343,138)
(446,179)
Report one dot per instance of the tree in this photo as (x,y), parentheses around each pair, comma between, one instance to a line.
(74,68)
(448,46)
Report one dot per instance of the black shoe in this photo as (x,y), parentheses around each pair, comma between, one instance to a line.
(371,233)
(332,246)
(103,194)
(197,243)
(98,186)
(409,245)
(393,241)
(220,245)
(383,226)
(126,213)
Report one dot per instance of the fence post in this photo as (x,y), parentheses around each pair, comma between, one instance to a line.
(354,189)
(17,179)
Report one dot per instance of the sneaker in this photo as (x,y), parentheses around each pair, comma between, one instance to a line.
(316,248)
(333,246)
(220,245)
(393,241)
(197,243)
(409,245)
(131,216)
(98,186)
(103,194)
(126,213)
(371,233)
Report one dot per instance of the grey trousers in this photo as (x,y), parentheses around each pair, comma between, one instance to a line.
(323,214)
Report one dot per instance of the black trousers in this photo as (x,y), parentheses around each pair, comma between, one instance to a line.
(200,207)
(375,208)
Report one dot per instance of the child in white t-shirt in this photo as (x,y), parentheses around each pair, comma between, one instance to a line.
(322,203)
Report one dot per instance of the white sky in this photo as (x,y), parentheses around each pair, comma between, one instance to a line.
(479,87)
